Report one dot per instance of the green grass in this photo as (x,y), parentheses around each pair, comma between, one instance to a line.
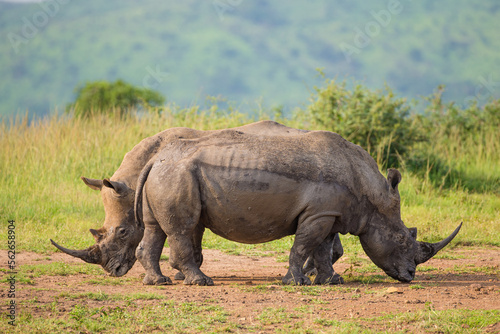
(448,321)
(59,269)
(174,317)
(100,296)
(167,316)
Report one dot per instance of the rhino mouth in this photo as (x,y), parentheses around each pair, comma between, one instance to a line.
(118,269)
(405,276)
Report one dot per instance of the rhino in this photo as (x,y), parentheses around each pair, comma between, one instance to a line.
(115,252)
(253,189)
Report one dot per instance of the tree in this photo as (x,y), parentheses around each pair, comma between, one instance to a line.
(106,97)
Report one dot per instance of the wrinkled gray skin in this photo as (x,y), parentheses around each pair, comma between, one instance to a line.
(117,239)
(253,189)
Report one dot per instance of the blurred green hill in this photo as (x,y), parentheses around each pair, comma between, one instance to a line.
(246,50)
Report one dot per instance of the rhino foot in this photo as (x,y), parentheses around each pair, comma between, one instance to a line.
(199,280)
(179,276)
(156,280)
(301,280)
(329,280)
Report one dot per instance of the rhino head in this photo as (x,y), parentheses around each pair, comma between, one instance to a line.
(391,245)
(118,239)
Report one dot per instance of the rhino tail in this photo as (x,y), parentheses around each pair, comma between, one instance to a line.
(138,193)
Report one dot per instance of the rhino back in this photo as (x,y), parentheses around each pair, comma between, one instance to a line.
(316,156)
(135,160)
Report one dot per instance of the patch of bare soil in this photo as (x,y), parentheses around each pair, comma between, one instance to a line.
(245,286)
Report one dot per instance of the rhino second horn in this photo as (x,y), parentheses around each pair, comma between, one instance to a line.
(428,250)
(90,255)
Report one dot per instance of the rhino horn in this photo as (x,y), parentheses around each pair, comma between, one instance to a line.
(427,250)
(90,255)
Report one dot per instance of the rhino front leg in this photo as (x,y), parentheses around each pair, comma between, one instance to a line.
(327,252)
(323,257)
(336,251)
(148,253)
(309,235)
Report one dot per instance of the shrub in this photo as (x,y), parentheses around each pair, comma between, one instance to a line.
(375,120)
(106,97)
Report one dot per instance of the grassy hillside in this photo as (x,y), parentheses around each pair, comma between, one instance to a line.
(244,50)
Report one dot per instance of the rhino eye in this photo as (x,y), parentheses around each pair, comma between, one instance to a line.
(122,232)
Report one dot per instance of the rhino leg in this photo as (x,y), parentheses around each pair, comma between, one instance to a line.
(182,258)
(198,255)
(310,233)
(323,257)
(337,251)
(178,214)
(148,253)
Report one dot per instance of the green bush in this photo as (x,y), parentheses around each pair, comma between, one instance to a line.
(375,120)
(118,96)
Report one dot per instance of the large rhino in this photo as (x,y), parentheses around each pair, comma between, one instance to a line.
(252,189)
(117,253)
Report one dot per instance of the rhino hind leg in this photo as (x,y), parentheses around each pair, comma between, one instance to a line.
(198,255)
(182,258)
(148,253)
(310,235)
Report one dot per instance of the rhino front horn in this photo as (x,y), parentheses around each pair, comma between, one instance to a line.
(427,250)
(90,255)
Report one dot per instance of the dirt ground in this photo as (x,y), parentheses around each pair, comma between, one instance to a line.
(246,285)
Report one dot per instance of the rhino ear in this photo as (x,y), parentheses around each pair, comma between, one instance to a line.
(394,177)
(92,183)
(97,234)
(119,187)
(413,232)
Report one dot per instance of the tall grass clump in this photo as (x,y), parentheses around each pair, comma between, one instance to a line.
(462,148)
